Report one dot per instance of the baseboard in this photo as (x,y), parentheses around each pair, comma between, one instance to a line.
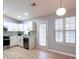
(62,53)
(13,46)
(20,46)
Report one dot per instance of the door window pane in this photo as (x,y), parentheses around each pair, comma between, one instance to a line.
(42,35)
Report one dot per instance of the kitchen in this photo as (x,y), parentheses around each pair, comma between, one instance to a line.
(14,33)
(39,29)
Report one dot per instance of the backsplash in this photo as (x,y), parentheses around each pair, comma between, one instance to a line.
(10,33)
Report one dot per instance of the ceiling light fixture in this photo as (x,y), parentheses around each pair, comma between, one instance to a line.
(33,4)
(67,25)
(61,11)
(26,13)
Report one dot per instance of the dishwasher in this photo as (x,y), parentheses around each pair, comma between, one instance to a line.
(26,42)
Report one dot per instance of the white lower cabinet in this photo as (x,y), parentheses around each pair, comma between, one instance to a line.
(16,40)
(20,41)
(31,42)
(13,40)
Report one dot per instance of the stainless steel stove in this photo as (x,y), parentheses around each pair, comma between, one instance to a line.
(6,42)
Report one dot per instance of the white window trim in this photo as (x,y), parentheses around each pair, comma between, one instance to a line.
(64,33)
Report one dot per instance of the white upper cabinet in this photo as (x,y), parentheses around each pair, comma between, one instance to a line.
(29,26)
(13,26)
(20,26)
(26,27)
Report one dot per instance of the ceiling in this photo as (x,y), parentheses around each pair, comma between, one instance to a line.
(14,8)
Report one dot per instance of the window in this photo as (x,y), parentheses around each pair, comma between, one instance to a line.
(59,24)
(70,29)
(65,30)
(42,35)
(70,23)
(59,30)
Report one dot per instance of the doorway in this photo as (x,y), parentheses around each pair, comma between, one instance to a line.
(42,35)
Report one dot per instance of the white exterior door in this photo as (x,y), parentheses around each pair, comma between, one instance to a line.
(42,35)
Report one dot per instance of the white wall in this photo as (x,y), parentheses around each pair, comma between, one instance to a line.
(49,20)
(5,18)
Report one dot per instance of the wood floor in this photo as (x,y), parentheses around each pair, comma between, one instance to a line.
(20,53)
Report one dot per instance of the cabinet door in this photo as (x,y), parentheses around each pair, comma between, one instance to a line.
(31,42)
(20,40)
(13,40)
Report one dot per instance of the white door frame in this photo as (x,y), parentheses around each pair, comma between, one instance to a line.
(42,47)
